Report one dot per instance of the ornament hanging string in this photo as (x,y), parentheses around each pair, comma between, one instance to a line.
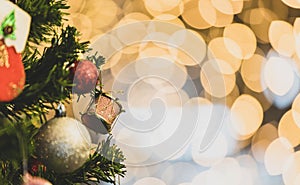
(100,79)
(100,76)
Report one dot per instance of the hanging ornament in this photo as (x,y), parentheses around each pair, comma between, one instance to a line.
(102,113)
(11,72)
(63,143)
(14,30)
(35,165)
(85,77)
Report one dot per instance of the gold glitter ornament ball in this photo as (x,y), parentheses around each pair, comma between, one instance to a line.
(63,144)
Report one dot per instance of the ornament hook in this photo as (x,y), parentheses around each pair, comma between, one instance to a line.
(60,110)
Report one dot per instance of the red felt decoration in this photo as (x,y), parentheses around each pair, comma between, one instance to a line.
(12,74)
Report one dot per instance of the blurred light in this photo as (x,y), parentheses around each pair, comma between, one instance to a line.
(227,100)
(237,146)
(136,16)
(110,62)
(246,116)
(152,50)
(249,165)
(83,23)
(130,6)
(277,6)
(289,129)
(108,14)
(259,148)
(259,20)
(161,5)
(134,155)
(215,83)
(170,19)
(244,37)
(281,37)
(228,6)
(292,3)
(279,75)
(296,110)
(172,8)
(230,170)
(264,98)
(251,72)
(174,174)
(155,53)
(124,65)
(292,170)
(184,58)
(161,71)
(131,49)
(124,32)
(213,16)
(76,6)
(192,16)
(267,131)
(214,32)
(277,154)
(226,63)
(296,31)
(201,178)
(215,153)
(200,110)
(149,181)
(189,42)
(261,140)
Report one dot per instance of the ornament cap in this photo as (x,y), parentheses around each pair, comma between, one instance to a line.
(60,111)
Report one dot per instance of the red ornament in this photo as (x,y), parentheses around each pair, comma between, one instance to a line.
(86,77)
(12,74)
(35,165)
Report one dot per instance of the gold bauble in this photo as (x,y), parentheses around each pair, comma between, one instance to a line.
(63,144)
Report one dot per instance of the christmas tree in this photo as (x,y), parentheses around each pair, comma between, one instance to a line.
(35,81)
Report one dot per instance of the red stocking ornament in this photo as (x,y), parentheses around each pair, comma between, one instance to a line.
(11,72)
(14,30)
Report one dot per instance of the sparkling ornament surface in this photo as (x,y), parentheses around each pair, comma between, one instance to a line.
(86,76)
(63,144)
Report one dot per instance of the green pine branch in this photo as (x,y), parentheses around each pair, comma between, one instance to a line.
(15,144)
(46,15)
(47,77)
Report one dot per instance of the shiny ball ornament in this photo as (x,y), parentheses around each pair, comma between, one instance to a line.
(85,77)
(63,144)
(12,73)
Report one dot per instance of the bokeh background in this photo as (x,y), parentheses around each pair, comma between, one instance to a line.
(210,87)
